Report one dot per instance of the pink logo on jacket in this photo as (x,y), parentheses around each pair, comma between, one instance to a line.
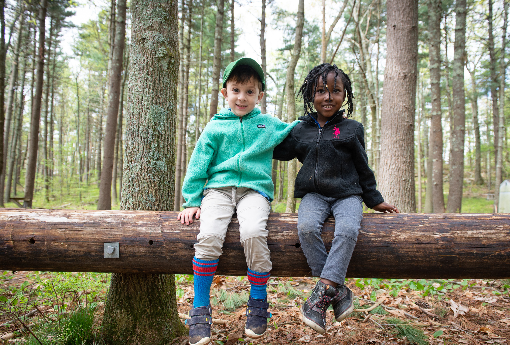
(336,132)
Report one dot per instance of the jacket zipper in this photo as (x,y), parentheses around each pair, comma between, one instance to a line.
(239,159)
(316,173)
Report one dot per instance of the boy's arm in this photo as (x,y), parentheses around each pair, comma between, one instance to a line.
(371,196)
(196,175)
(286,150)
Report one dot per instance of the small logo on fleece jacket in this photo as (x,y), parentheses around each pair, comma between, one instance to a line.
(336,132)
(261,126)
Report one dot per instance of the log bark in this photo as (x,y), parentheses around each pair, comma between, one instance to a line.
(389,245)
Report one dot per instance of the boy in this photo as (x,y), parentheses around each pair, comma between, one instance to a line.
(230,169)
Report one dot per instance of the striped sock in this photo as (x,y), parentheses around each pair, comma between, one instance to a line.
(202,279)
(258,283)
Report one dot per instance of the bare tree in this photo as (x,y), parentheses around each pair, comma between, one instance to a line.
(501,115)
(396,173)
(36,111)
(459,111)
(291,103)
(105,187)
(263,50)
(213,109)
(436,128)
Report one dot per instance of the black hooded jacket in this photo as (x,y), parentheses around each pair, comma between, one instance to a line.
(335,163)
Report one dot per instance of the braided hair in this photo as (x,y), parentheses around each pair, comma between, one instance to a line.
(307,90)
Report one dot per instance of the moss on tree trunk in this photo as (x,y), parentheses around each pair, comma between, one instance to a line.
(141,308)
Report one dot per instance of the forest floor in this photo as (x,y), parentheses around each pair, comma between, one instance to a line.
(387,311)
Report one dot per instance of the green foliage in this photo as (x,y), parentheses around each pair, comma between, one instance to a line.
(230,300)
(412,334)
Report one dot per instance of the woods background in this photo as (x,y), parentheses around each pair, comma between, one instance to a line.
(442,139)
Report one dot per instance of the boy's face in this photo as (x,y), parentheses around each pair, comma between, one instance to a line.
(242,98)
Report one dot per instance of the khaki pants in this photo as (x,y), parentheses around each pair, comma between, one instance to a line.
(218,206)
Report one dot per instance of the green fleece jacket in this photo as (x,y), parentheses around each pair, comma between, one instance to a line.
(234,151)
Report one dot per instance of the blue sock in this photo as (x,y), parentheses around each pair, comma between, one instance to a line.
(202,279)
(258,281)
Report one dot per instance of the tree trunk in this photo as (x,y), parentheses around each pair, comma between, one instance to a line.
(323,38)
(36,111)
(105,196)
(232,33)
(396,174)
(459,112)
(46,115)
(389,246)
(436,128)
(118,140)
(493,80)
(217,58)
(291,101)
(181,165)
(501,120)
(263,52)
(476,128)
(142,308)
(199,61)
(9,107)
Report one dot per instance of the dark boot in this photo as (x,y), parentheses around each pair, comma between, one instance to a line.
(313,311)
(199,325)
(256,318)
(342,302)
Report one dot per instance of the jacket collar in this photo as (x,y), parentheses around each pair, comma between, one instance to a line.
(227,114)
(311,118)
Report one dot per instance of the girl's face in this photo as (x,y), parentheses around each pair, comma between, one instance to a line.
(328,98)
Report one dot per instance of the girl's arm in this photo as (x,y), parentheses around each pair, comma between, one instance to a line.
(286,150)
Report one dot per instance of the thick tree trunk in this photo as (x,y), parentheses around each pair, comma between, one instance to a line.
(199,61)
(217,58)
(396,172)
(36,111)
(459,112)
(501,115)
(142,308)
(436,128)
(105,187)
(291,101)
(389,246)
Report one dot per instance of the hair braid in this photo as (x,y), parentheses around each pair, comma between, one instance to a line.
(307,90)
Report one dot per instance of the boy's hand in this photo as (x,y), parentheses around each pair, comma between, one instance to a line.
(186,216)
(385,208)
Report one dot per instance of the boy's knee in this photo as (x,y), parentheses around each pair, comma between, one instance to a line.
(253,231)
(209,247)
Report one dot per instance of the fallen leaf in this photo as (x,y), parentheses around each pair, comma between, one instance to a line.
(397,312)
(485,329)
(305,339)
(458,309)
(505,321)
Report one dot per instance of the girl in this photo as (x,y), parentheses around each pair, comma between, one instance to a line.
(335,179)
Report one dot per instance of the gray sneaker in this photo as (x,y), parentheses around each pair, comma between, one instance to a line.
(342,302)
(313,311)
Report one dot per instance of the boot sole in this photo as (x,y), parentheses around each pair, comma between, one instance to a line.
(346,313)
(203,341)
(311,324)
(252,334)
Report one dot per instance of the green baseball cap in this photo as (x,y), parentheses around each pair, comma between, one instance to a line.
(248,62)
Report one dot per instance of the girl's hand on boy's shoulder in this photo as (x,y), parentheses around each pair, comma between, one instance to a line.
(186,216)
(385,208)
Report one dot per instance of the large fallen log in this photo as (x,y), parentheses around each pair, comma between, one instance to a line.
(389,245)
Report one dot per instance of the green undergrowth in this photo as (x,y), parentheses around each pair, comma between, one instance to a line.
(402,329)
(428,287)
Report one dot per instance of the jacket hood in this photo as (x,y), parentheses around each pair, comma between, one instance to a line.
(312,117)
(227,114)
